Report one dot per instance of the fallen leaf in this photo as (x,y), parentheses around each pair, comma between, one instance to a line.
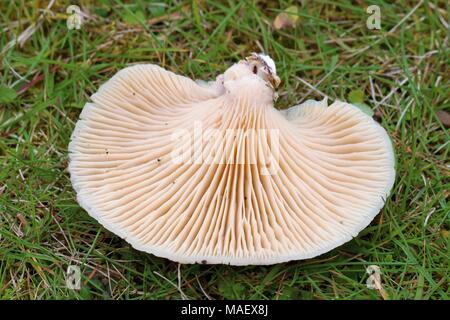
(22,219)
(374,280)
(286,19)
(356,97)
(444,117)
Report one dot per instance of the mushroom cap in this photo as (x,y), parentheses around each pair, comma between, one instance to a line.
(213,173)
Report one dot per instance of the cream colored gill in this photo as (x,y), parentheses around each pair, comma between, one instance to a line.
(331,167)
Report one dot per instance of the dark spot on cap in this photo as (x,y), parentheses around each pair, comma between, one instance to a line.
(204,261)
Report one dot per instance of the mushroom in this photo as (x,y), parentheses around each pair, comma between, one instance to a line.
(211,172)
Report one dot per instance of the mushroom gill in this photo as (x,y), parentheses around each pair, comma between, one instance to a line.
(215,174)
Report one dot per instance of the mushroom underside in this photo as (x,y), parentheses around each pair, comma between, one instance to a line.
(265,187)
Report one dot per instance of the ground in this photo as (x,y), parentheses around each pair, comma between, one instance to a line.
(399,72)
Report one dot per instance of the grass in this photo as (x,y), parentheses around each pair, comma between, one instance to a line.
(402,70)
